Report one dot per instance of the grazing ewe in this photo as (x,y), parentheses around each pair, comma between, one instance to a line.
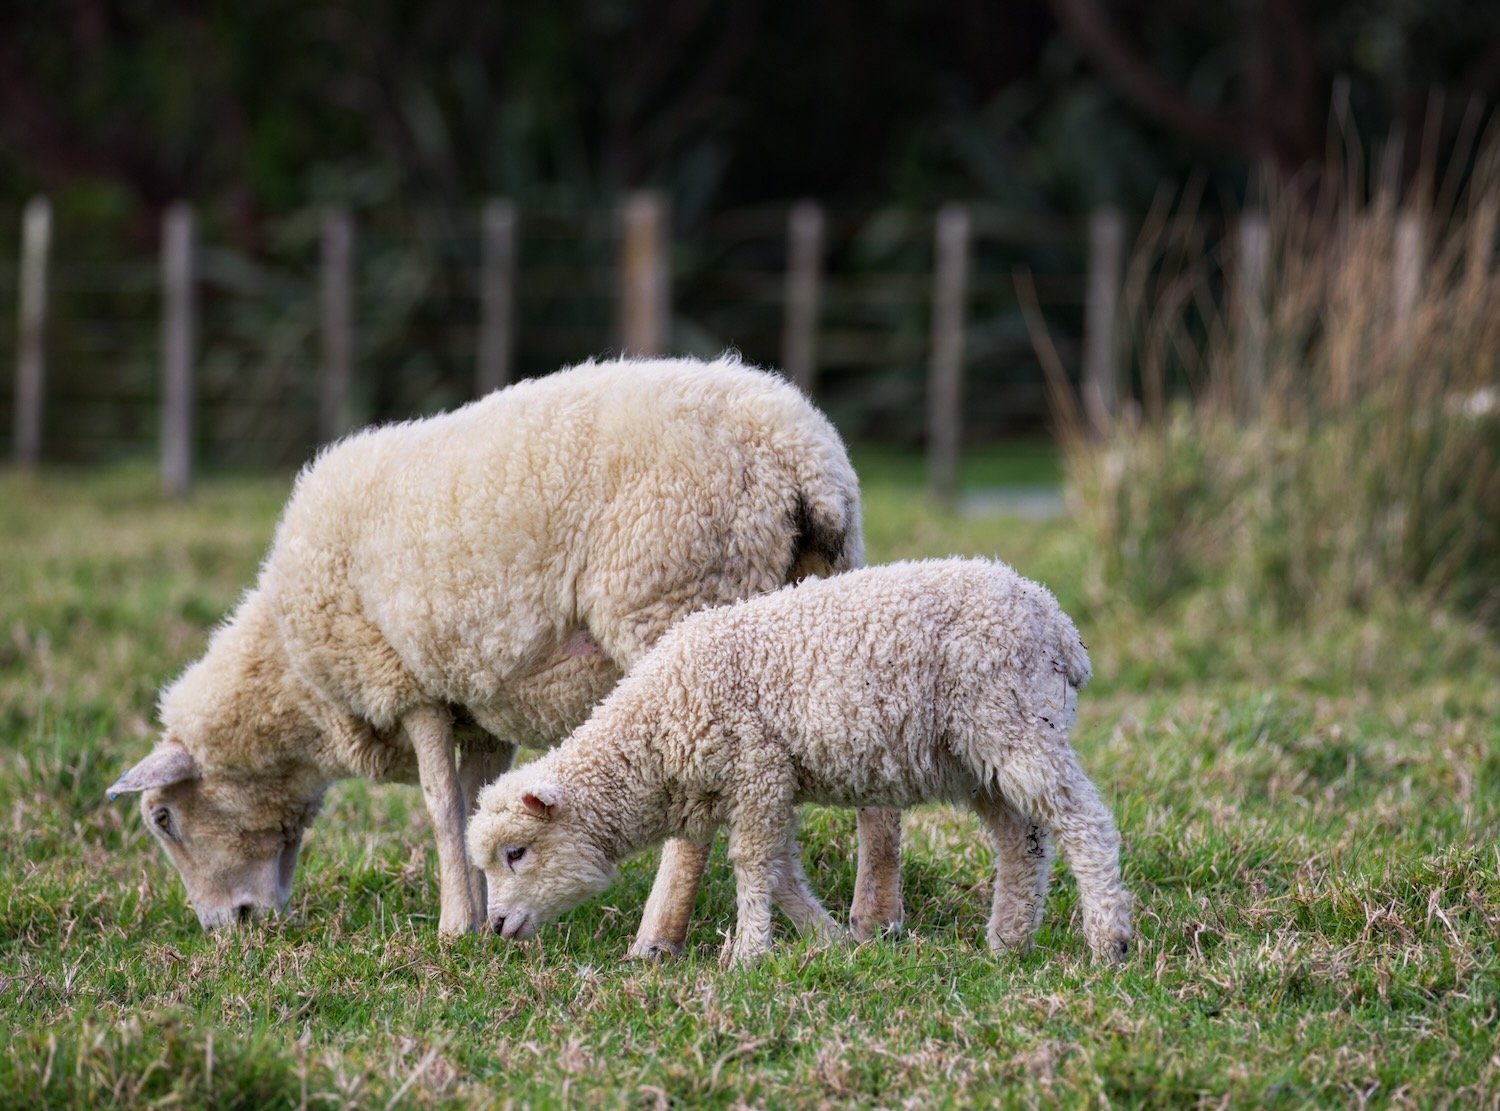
(948,679)
(497,567)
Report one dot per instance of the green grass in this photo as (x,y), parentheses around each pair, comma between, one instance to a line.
(1029,462)
(1309,819)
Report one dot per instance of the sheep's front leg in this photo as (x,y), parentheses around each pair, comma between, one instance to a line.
(483,761)
(431,731)
(664,922)
(877,884)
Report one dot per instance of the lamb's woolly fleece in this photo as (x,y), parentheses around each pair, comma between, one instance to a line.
(457,560)
(940,680)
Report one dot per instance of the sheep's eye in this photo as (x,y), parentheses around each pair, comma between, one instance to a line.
(163,819)
(513,855)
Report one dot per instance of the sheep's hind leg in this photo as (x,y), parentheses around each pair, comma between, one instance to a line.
(664,922)
(483,760)
(430,731)
(1023,871)
(1048,782)
(795,897)
(877,885)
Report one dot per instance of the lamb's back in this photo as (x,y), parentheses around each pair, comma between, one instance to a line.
(866,674)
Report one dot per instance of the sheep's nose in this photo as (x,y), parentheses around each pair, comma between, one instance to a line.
(497,923)
(244,912)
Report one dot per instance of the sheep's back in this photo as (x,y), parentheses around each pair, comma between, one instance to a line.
(457,553)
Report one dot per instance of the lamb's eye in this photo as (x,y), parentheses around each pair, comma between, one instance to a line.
(163,819)
(513,855)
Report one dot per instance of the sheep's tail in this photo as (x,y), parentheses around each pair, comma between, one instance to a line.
(824,517)
(823,543)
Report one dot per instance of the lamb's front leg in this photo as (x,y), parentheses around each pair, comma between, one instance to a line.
(431,731)
(664,922)
(758,835)
(794,895)
(754,879)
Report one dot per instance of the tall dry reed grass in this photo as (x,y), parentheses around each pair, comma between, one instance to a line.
(1321,429)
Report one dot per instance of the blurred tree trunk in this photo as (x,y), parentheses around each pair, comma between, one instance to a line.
(1280,119)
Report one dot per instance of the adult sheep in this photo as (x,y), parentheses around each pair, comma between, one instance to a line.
(499,566)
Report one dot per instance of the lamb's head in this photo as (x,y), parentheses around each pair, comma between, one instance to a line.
(535,852)
(233,839)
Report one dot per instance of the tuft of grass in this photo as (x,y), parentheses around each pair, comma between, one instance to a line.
(1309,819)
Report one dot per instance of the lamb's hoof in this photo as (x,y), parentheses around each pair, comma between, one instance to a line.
(655,949)
(735,958)
(1116,951)
(832,936)
(1113,949)
(1010,946)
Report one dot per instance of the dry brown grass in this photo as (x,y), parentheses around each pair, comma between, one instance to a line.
(1326,439)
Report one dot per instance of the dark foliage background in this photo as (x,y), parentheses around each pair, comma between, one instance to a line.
(412,114)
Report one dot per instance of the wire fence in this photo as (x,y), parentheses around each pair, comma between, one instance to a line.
(418,308)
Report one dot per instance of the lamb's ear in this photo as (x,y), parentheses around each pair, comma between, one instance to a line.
(541,800)
(168,763)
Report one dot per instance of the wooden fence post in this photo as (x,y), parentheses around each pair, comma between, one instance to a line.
(496,296)
(1250,309)
(179,339)
(337,279)
(645,280)
(1101,345)
(799,339)
(1407,260)
(31,366)
(945,382)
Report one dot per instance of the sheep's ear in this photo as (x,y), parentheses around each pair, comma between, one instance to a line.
(541,800)
(168,763)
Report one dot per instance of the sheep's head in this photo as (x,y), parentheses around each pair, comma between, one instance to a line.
(537,858)
(233,840)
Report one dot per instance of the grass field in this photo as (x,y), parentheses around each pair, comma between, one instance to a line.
(1309,821)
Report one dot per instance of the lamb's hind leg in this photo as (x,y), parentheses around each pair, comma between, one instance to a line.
(877,885)
(1023,871)
(1047,781)
(664,922)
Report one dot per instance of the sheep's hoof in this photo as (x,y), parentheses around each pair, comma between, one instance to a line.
(653,950)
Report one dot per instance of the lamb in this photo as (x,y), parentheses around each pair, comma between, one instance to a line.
(950,680)
(489,574)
